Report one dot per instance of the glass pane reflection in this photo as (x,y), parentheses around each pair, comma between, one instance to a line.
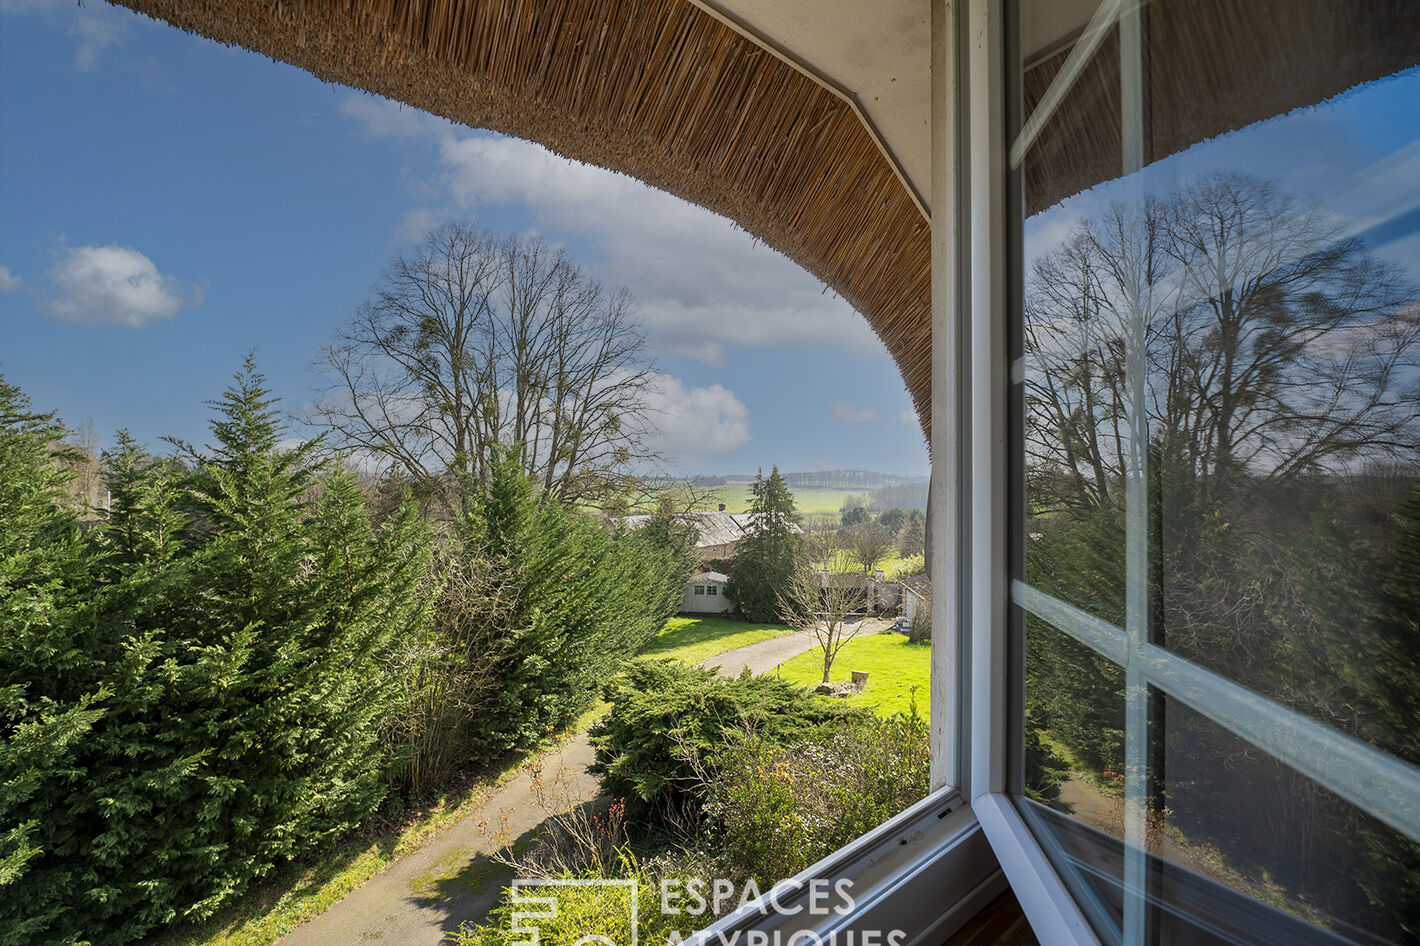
(1227,812)
(1242,311)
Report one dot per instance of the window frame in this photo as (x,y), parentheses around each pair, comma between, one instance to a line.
(1376,783)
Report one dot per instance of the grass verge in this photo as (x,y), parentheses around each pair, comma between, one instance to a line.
(893,665)
(294,893)
(693,640)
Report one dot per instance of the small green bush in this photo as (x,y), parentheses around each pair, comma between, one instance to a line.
(584,913)
(668,724)
(780,808)
(920,630)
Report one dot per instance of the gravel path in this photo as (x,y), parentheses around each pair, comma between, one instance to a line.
(430,892)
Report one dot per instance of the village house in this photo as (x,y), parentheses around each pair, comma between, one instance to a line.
(719,532)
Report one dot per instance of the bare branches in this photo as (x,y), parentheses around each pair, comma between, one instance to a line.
(476,341)
(1270,344)
(821,601)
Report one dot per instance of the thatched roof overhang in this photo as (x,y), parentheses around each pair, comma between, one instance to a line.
(657,89)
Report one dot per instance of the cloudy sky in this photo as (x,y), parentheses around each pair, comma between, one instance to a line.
(167,204)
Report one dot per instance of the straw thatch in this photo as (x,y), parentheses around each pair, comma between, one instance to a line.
(654,88)
(1212,66)
(664,92)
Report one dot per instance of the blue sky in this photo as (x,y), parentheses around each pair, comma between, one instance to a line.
(167,204)
(1356,154)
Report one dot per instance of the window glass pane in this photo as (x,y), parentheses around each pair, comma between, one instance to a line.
(1072,755)
(1074,746)
(1218,282)
(1269,280)
(1223,812)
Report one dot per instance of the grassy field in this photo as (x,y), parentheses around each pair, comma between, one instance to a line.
(893,665)
(810,500)
(692,640)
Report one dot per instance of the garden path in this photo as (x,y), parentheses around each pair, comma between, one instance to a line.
(427,894)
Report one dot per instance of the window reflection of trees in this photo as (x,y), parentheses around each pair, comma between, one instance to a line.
(1281,364)
(1278,347)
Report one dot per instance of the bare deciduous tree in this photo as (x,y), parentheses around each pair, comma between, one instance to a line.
(868,542)
(820,601)
(86,488)
(1263,342)
(475,341)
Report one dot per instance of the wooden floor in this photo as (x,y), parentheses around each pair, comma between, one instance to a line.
(1001,922)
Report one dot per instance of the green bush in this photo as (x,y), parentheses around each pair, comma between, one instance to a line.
(781,807)
(668,724)
(920,630)
(570,603)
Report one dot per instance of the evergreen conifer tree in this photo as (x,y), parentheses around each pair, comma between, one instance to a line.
(47,708)
(770,553)
(196,688)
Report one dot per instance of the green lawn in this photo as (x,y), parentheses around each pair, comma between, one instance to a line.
(692,640)
(893,667)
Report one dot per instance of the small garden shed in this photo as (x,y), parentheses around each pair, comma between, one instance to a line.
(705,594)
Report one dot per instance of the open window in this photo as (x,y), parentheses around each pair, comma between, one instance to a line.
(1212,361)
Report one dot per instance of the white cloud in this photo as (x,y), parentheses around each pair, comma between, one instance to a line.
(383,118)
(95,31)
(94,27)
(112,285)
(909,418)
(9,281)
(704,284)
(852,414)
(695,423)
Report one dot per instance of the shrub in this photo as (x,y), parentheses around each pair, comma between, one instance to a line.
(585,914)
(668,724)
(538,606)
(781,807)
(920,630)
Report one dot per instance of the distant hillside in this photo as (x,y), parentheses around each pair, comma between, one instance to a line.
(823,479)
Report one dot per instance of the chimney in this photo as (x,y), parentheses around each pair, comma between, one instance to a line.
(722,507)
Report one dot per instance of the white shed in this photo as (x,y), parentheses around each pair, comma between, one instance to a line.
(705,594)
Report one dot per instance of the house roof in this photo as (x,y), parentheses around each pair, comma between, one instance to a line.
(710,576)
(920,585)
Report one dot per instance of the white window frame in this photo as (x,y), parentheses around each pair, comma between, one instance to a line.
(1375,782)
(934,844)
